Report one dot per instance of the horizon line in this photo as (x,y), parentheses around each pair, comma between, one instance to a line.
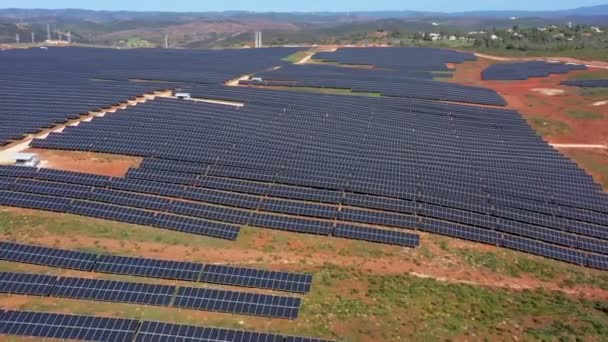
(300,11)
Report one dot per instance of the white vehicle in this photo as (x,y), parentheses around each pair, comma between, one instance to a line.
(27,159)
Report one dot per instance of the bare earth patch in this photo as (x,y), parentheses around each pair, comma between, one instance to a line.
(600,103)
(549,91)
(88,162)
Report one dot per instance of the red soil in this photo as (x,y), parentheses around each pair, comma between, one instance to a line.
(88,162)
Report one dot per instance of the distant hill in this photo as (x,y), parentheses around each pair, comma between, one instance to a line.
(210,29)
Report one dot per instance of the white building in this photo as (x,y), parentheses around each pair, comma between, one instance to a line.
(434,36)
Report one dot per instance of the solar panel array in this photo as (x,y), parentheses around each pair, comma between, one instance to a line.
(525,70)
(205,299)
(156,268)
(425,59)
(480,174)
(207,211)
(67,327)
(103,329)
(169,65)
(29,106)
(60,84)
(397,83)
(322,164)
(587,83)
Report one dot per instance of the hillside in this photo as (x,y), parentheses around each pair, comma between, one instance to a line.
(221,29)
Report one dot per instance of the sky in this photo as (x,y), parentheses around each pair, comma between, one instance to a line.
(302,5)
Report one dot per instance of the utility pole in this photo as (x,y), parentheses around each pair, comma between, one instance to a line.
(166,41)
(17,38)
(69,37)
(33,38)
(48,31)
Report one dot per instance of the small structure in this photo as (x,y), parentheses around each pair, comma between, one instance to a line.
(27,159)
(257,79)
(183,96)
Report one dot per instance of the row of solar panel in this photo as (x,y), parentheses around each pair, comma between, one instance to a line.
(421,89)
(156,268)
(251,202)
(316,194)
(105,329)
(32,200)
(523,244)
(454,230)
(120,214)
(587,83)
(397,58)
(525,70)
(206,299)
(390,219)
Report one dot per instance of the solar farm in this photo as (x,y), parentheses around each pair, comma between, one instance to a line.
(258,210)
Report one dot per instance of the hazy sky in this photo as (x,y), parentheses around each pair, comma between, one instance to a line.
(302,5)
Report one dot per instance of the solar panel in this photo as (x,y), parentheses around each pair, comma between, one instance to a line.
(377,235)
(239,276)
(158,331)
(27,284)
(237,302)
(113,291)
(67,327)
(153,268)
(47,256)
(303,339)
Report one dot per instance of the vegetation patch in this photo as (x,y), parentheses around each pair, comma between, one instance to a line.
(596,163)
(548,127)
(296,57)
(401,306)
(593,92)
(585,115)
(603,74)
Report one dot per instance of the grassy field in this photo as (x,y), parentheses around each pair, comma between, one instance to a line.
(594,92)
(593,161)
(585,115)
(361,291)
(547,127)
(298,56)
(603,74)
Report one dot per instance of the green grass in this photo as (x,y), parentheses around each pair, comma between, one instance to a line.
(594,162)
(593,92)
(37,224)
(585,115)
(296,57)
(404,307)
(547,127)
(590,76)
(511,265)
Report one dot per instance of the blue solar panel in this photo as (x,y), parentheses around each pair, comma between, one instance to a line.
(67,327)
